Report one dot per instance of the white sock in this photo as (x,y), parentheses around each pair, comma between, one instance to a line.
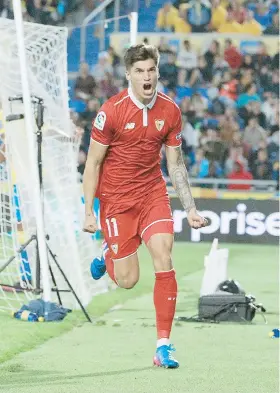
(163,341)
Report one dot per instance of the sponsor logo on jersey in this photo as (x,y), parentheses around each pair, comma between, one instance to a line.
(179,136)
(129,126)
(159,124)
(114,248)
(100,121)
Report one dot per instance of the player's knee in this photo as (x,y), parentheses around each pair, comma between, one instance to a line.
(163,262)
(127,281)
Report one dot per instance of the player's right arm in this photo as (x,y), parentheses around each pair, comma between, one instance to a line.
(101,137)
(94,162)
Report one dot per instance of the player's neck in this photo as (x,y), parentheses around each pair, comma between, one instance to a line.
(141,99)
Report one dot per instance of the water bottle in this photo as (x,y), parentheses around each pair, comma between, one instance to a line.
(26,316)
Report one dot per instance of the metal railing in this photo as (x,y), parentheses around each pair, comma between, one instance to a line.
(101,9)
(267,185)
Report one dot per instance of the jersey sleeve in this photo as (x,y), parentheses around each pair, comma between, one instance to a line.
(174,136)
(103,126)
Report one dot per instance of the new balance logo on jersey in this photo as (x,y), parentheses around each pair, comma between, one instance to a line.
(159,124)
(129,126)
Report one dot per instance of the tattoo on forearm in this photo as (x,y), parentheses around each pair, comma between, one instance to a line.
(179,177)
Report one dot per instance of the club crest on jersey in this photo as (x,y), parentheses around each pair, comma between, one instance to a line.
(100,121)
(114,248)
(159,124)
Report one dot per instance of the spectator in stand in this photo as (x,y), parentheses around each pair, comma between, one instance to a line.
(186,62)
(250,94)
(253,135)
(85,83)
(200,169)
(237,11)
(261,58)
(165,18)
(247,63)
(115,62)
(262,15)
(269,108)
(5,9)
(262,169)
(228,89)
(90,113)
(180,23)
(164,51)
(246,78)
(230,25)
(199,104)
(275,83)
(273,28)
(210,55)
(108,86)
(228,128)
(169,73)
(202,76)
(235,154)
(251,26)
(190,134)
(232,55)
(239,173)
(199,15)
(256,111)
(219,15)
(103,67)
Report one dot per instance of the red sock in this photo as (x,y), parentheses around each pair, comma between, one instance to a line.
(165,294)
(110,266)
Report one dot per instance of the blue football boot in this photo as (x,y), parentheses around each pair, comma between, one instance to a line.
(98,266)
(164,358)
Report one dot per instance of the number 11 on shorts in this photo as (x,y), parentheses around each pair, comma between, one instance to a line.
(112,227)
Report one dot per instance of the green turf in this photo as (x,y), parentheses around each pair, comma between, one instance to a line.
(114,356)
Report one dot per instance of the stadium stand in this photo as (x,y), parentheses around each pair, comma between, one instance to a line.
(228,92)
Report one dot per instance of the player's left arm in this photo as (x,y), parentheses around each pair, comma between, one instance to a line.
(178,172)
(179,177)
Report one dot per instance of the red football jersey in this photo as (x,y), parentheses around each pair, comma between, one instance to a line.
(135,134)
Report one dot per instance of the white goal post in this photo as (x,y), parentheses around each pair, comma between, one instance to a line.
(38,68)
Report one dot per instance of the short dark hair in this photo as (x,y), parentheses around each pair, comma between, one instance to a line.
(139,53)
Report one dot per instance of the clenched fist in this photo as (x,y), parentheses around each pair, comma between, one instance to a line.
(195,220)
(90,224)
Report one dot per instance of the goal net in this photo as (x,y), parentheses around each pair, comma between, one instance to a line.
(62,195)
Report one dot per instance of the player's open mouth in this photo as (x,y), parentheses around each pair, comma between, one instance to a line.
(147,86)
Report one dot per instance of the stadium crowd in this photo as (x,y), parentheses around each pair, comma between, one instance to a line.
(229,98)
(254,17)
(48,12)
(229,103)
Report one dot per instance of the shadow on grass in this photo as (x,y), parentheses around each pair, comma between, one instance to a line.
(49,378)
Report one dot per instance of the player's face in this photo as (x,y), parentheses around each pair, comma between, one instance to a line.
(143,76)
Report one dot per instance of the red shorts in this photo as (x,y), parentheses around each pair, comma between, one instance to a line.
(124,227)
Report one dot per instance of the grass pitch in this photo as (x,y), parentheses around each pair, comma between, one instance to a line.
(114,355)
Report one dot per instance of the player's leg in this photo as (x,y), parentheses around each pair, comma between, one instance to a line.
(119,255)
(126,271)
(158,236)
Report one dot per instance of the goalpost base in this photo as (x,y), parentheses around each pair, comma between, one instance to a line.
(39,290)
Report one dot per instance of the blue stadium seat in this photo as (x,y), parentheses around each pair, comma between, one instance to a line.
(78,106)
(183,92)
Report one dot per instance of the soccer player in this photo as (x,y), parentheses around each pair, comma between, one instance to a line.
(123,171)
